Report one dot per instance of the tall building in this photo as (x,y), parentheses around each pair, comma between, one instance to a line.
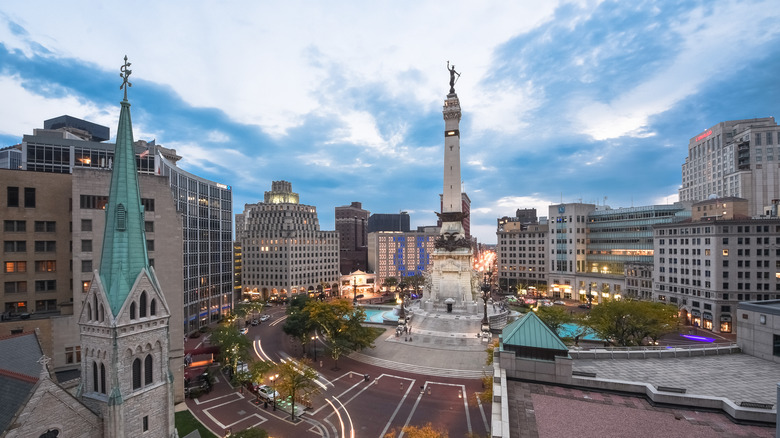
(736,158)
(352,226)
(284,251)
(388,222)
(521,253)
(720,258)
(399,255)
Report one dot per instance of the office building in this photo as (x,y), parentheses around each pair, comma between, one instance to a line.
(736,158)
(284,251)
(352,226)
(399,255)
(521,256)
(388,222)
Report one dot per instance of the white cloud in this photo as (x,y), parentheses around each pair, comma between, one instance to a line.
(708,48)
(217,137)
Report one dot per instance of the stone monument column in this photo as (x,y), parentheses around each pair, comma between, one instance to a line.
(451,274)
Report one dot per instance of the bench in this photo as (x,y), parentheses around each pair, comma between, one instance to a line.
(671,389)
(583,374)
(745,404)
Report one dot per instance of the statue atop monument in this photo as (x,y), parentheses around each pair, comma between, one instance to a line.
(453,79)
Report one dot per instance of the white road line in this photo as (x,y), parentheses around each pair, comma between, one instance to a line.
(397,408)
(232,395)
(278,320)
(414,409)
(482,411)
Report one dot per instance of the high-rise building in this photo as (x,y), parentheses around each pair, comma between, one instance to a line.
(388,222)
(521,256)
(284,251)
(736,158)
(352,226)
(399,255)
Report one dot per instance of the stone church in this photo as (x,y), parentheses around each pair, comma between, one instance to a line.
(126,388)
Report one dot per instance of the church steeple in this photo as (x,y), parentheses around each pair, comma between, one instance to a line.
(124,252)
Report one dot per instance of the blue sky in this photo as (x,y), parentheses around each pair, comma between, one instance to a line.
(561,100)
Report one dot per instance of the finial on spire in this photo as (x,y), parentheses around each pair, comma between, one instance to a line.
(125,75)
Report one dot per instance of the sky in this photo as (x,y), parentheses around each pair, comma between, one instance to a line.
(563,101)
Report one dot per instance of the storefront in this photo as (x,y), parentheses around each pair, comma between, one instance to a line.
(696,318)
(725,323)
(707,321)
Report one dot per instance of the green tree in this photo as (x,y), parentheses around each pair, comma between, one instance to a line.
(342,324)
(416,282)
(296,379)
(298,324)
(390,282)
(554,317)
(258,369)
(630,322)
(233,346)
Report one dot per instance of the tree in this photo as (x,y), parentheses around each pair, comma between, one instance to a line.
(342,324)
(426,431)
(416,281)
(390,282)
(232,345)
(630,322)
(258,369)
(296,379)
(251,432)
(554,317)
(298,324)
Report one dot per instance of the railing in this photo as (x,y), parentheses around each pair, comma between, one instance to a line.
(651,351)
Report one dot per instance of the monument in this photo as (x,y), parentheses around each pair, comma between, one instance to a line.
(451,277)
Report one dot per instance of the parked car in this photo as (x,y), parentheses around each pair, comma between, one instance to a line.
(529,301)
(584,306)
(255,322)
(244,330)
(264,318)
(545,303)
(266,392)
(559,303)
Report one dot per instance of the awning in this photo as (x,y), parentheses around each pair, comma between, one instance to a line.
(725,318)
(695,313)
(708,316)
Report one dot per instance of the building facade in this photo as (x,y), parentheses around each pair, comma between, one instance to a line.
(284,251)
(521,254)
(352,226)
(737,158)
(706,267)
(399,255)
(388,222)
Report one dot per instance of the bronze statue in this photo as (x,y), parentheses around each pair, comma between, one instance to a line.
(453,79)
(125,75)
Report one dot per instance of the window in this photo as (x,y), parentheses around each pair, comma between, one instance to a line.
(86,266)
(86,245)
(142,305)
(153,307)
(45,266)
(73,354)
(13,196)
(15,226)
(725,252)
(45,285)
(776,349)
(45,246)
(86,225)
(29,197)
(85,287)
(148,374)
(15,287)
(11,267)
(132,310)
(102,378)
(45,226)
(146,423)
(137,374)
(150,245)
(149,226)
(15,246)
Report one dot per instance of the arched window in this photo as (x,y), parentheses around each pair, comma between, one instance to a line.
(95,305)
(101,313)
(95,385)
(132,310)
(89,312)
(142,305)
(102,378)
(148,370)
(136,373)
(153,307)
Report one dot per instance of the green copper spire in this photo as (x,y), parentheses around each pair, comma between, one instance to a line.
(124,253)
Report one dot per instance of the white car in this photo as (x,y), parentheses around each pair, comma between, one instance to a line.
(266,392)
(265,318)
(244,330)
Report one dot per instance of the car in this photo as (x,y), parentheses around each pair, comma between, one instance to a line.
(559,303)
(244,330)
(255,322)
(529,301)
(584,306)
(264,318)
(266,392)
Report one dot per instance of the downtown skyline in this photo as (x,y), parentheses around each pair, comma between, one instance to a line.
(562,102)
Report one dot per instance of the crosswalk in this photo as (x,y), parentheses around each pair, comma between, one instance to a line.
(418,369)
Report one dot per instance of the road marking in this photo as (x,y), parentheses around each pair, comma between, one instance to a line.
(278,320)
(298,368)
(231,395)
(341,422)
(398,407)
(482,411)
(346,412)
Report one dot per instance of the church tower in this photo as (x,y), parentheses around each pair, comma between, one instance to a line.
(123,325)
(451,274)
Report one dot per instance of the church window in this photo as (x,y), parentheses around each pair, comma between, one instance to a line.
(89,312)
(102,378)
(132,310)
(121,218)
(95,386)
(148,375)
(94,300)
(137,374)
(146,423)
(153,307)
(101,313)
(142,305)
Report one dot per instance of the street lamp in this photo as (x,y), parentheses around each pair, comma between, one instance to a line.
(402,294)
(314,345)
(273,384)
(485,297)
(354,290)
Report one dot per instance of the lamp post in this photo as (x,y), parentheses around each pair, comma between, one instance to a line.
(354,290)
(273,385)
(314,346)
(402,294)
(485,297)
